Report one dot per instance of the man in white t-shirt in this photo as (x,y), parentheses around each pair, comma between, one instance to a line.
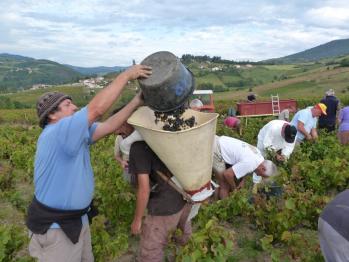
(126,136)
(305,121)
(278,136)
(233,159)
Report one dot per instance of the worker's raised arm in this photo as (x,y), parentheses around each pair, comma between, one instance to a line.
(104,99)
(115,121)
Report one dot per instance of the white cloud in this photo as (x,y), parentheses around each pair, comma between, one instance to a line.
(329,16)
(105,32)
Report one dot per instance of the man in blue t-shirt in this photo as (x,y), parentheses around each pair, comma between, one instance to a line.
(305,121)
(63,176)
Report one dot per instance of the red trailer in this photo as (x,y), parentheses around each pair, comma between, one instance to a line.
(246,109)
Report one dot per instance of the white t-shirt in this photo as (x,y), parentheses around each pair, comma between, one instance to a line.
(123,145)
(306,117)
(269,137)
(243,157)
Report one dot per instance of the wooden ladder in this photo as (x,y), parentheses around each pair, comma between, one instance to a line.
(275,104)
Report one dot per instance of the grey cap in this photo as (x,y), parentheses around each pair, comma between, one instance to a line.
(47,103)
(270,168)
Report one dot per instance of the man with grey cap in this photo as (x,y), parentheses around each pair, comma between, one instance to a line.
(277,136)
(63,176)
(328,121)
(233,159)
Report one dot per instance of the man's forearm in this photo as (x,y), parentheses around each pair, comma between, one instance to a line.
(115,121)
(141,203)
(300,128)
(229,176)
(313,133)
(112,123)
(303,131)
(105,98)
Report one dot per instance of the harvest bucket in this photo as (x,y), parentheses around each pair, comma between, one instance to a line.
(170,84)
(188,154)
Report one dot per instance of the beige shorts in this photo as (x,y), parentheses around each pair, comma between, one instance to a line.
(218,161)
(55,246)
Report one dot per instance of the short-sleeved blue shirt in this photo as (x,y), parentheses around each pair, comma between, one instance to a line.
(63,175)
(306,117)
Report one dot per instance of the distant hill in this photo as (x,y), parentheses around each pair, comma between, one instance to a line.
(19,72)
(100,70)
(331,49)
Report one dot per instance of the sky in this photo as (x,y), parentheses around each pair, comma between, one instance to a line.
(109,33)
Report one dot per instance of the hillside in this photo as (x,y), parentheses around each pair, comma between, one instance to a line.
(305,82)
(100,70)
(223,77)
(19,72)
(328,50)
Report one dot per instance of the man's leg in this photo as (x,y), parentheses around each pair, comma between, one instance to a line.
(87,255)
(154,236)
(218,168)
(55,246)
(185,225)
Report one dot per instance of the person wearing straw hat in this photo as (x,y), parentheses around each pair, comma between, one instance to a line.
(277,136)
(233,159)
(305,121)
(167,210)
(328,121)
(63,177)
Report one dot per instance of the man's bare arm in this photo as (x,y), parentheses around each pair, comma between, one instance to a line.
(143,191)
(105,98)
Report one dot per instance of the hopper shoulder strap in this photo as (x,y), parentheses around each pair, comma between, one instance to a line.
(175,187)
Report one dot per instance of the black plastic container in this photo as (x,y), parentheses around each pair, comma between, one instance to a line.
(169,86)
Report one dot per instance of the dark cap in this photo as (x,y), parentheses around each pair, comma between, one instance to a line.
(290,133)
(47,103)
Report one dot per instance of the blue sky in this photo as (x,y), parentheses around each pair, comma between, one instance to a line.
(102,32)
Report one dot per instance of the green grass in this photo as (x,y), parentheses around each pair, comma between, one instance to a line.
(280,67)
(80,95)
(30,97)
(209,78)
(230,78)
(294,90)
(18,116)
